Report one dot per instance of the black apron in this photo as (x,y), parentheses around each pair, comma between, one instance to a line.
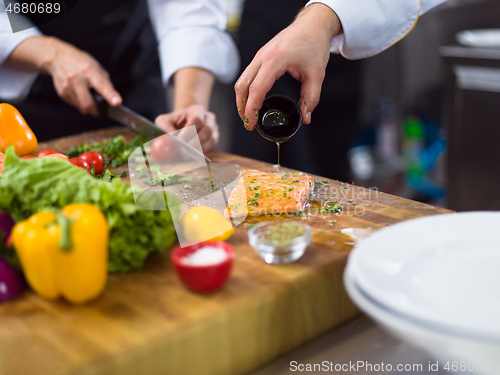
(118,34)
(321,147)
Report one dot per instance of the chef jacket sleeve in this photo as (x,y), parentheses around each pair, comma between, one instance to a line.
(14,83)
(191,33)
(371,26)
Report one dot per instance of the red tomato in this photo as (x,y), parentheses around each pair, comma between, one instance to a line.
(162,149)
(27,157)
(46,152)
(80,163)
(93,158)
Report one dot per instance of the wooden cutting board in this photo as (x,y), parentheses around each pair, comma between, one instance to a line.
(146,322)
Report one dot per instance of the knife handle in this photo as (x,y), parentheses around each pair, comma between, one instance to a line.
(102,105)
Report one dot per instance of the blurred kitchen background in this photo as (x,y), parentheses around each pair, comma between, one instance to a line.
(429,123)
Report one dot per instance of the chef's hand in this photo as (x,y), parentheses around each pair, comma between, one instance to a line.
(204,121)
(192,90)
(302,50)
(74,72)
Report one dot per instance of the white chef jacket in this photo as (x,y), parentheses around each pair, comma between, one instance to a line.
(189,33)
(371,26)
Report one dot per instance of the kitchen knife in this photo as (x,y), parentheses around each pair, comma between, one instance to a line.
(136,122)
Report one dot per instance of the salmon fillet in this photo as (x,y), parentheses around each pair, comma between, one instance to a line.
(270,192)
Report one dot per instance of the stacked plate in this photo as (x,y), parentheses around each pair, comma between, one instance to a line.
(435,282)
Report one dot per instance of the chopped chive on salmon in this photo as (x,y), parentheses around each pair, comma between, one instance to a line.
(273,192)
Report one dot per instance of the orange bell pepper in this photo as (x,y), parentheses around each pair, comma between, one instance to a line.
(64,253)
(15,131)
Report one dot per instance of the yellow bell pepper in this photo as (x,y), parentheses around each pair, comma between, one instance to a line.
(64,253)
(15,131)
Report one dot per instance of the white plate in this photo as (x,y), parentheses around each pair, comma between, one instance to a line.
(441,271)
(480,38)
(468,355)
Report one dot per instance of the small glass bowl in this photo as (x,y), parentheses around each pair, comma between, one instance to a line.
(275,251)
(203,278)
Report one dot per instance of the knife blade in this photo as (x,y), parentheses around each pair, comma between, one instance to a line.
(134,121)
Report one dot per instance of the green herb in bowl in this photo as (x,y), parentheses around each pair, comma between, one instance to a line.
(286,231)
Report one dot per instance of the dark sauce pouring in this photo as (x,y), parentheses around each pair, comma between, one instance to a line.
(279,119)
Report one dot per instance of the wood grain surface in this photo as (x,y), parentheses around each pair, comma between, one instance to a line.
(146,322)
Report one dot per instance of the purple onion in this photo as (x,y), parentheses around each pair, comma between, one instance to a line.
(6,224)
(11,281)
